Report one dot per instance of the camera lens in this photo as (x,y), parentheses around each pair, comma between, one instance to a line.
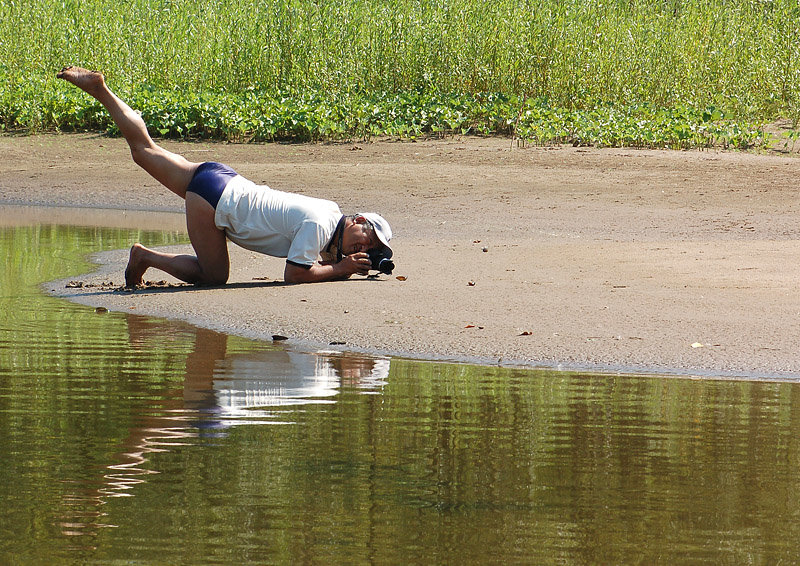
(386,266)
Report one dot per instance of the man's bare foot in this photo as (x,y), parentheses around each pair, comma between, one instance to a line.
(88,81)
(136,267)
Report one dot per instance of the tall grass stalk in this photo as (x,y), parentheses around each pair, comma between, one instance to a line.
(739,55)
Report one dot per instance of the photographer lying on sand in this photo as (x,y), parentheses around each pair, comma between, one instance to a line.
(318,242)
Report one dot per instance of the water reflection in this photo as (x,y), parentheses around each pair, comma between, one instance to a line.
(232,387)
(223,389)
(440,463)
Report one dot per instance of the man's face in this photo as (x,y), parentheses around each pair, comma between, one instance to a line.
(358,236)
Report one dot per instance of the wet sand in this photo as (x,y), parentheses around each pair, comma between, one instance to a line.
(605,259)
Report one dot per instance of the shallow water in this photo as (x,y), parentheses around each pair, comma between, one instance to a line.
(132,439)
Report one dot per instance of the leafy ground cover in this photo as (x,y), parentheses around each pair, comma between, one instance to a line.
(258,116)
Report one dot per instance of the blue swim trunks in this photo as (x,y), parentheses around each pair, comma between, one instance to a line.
(210,180)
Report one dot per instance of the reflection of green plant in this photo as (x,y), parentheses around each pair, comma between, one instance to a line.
(33,254)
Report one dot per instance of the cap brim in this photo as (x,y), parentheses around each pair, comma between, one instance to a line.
(382,238)
(380,235)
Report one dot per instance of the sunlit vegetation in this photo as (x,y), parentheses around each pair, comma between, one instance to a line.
(673,73)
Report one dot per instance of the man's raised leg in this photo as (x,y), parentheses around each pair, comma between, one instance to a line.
(211,265)
(170,169)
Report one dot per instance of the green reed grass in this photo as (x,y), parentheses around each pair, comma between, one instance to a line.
(741,56)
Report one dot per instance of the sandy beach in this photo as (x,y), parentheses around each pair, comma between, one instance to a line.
(579,258)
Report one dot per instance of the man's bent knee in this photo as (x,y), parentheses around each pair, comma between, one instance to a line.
(214,276)
(214,281)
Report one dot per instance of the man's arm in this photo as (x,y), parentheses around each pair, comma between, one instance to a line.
(354,263)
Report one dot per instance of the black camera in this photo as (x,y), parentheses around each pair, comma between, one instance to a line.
(386,266)
(381,260)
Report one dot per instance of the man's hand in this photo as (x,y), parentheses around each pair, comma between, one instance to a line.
(358,262)
(354,263)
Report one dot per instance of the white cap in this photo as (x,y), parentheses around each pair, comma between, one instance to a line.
(381,227)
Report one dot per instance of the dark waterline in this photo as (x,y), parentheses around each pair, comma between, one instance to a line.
(126,438)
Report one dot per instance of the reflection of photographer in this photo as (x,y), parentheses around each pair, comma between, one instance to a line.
(221,389)
(272,378)
(232,384)
(357,371)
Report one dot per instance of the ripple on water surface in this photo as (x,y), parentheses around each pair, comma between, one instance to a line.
(133,438)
